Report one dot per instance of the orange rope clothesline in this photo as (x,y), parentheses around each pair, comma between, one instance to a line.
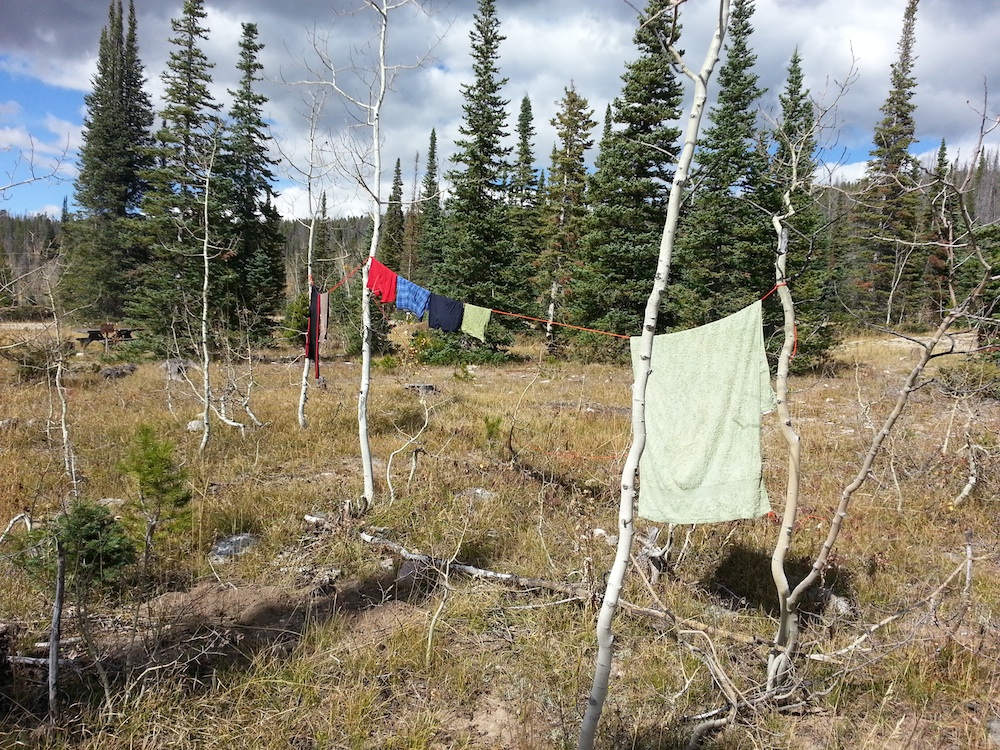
(564,325)
(567,325)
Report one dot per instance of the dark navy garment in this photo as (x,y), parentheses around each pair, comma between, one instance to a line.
(444,313)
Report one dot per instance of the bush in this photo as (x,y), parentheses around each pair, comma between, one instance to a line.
(296,315)
(432,348)
(97,549)
(979,375)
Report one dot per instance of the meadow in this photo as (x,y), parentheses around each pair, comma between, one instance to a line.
(320,637)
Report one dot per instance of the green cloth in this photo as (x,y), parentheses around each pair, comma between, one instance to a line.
(705,394)
(474,321)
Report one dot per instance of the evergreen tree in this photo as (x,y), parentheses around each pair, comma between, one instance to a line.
(566,206)
(411,227)
(885,265)
(253,287)
(429,219)
(793,165)
(101,254)
(524,204)
(116,128)
(724,256)
(631,185)
(390,250)
(479,258)
(186,155)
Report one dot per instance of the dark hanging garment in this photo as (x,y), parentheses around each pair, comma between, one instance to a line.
(444,313)
(314,326)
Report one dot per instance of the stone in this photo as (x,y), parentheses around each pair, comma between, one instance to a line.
(993,731)
(232,547)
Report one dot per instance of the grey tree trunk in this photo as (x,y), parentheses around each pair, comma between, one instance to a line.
(626,510)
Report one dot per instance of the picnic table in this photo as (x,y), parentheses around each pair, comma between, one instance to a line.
(109,334)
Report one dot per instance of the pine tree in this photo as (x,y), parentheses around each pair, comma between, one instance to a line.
(565,205)
(524,200)
(793,165)
(724,256)
(186,155)
(390,250)
(629,190)
(254,269)
(885,264)
(429,220)
(479,261)
(101,254)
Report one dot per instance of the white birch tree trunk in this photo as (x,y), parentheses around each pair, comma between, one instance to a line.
(206,355)
(375,191)
(626,510)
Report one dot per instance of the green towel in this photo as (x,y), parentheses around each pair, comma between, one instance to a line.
(474,321)
(705,394)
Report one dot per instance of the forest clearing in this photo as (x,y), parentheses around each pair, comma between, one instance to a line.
(316,638)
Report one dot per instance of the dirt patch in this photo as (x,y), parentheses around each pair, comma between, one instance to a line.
(215,623)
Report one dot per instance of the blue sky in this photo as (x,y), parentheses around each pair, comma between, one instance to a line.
(48,52)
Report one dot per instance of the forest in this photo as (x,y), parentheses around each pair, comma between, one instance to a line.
(209,544)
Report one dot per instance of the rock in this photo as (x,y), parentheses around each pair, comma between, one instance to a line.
(478,494)
(176,369)
(111,503)
(424,389)
(232,546)
(993,731)
(414,575)
(117,372)
(195,425)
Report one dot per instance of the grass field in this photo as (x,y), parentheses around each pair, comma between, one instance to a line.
(317,639)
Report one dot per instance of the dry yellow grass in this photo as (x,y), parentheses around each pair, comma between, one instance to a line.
(462,663)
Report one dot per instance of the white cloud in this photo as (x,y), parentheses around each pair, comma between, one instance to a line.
(547,45)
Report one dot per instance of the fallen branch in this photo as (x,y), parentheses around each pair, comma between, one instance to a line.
(575,593)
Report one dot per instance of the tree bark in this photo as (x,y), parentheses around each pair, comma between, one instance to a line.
(56,632)
(626,528)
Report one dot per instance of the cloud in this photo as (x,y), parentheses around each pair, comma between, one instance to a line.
(548,44)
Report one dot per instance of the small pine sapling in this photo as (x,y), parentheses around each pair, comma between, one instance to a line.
(160,482)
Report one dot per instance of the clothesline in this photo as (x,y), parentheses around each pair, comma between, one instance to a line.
(564,325)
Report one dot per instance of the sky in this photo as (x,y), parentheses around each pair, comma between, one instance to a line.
(48,53)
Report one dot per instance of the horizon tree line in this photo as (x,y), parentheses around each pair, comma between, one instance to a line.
(563,244)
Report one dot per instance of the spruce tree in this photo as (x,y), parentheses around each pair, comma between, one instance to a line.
(479,259)
(429,220)
(253,290)
(524,200)
(390,243)
(186,154)
(793,165)
(411,225)
(724,257)
(885,265)
(565,204)
(630,187)
(101,254)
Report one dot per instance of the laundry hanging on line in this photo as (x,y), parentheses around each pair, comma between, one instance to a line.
(411,297)
(316,324)
(443,313)
(707,389)
(382,281)
(474,321)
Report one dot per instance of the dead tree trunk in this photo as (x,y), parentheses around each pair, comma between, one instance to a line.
(626,510)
